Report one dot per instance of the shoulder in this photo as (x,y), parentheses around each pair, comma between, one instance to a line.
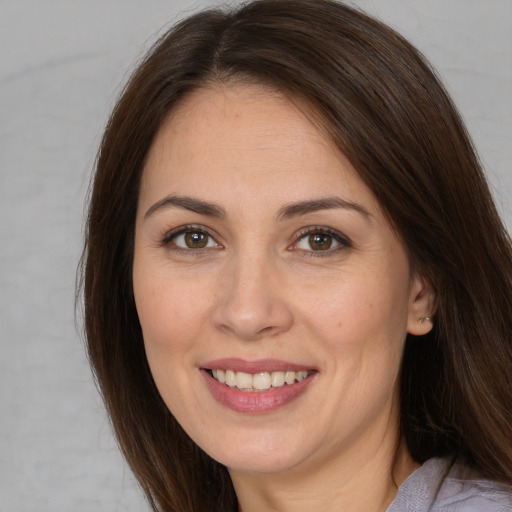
(463,490)
(441,485)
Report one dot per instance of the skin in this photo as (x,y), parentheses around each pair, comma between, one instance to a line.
(258,289)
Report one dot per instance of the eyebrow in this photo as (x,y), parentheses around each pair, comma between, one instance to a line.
(328,203)
(285,213)
(188,203)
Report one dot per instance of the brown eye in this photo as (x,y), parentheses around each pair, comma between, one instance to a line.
(192,239)
(195,239)
(320,241)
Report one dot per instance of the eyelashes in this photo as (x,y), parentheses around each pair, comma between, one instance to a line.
(320,241)
(190,239)
(314,241)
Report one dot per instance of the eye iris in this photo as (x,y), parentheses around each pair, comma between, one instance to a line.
(196,240)
(320,241)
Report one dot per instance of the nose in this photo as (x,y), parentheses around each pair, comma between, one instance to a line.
(252,300)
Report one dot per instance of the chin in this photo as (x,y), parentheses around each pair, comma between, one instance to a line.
(260,463)
(256,451)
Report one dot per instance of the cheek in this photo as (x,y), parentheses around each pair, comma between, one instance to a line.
(169,309)
(362,324)
(356,306)
(170,317)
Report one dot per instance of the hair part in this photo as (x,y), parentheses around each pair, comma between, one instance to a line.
(384,108)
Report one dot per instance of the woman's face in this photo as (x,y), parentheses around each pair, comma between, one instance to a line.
(261,259)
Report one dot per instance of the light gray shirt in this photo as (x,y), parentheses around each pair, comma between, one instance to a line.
(443,486)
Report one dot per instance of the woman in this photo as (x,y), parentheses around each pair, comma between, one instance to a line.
(297,287)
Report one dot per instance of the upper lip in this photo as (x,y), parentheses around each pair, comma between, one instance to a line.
(255,366)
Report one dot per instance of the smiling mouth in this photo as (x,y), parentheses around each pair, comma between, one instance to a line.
(258,382)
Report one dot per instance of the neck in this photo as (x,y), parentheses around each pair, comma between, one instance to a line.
(365,481)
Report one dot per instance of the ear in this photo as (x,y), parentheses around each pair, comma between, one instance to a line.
(421,307)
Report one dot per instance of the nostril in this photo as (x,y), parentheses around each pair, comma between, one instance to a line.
(251,309)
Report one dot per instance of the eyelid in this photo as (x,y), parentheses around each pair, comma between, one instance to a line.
(167,238)
(343,241)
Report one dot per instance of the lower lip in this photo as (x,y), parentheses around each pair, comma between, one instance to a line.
(255,402)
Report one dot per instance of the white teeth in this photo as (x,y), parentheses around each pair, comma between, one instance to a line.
(258,381)
(219,375)
(230,378)
(289,377)
(301,375)
(243,380)
(261,381)
(277,379)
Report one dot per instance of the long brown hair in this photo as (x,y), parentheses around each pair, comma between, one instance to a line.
(382,105)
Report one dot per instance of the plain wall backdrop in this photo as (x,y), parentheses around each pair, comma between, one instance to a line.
(62,64)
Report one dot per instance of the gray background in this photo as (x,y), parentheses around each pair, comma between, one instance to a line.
(62,63)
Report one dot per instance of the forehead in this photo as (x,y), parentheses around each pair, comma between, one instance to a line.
(247,117)
(241,140)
